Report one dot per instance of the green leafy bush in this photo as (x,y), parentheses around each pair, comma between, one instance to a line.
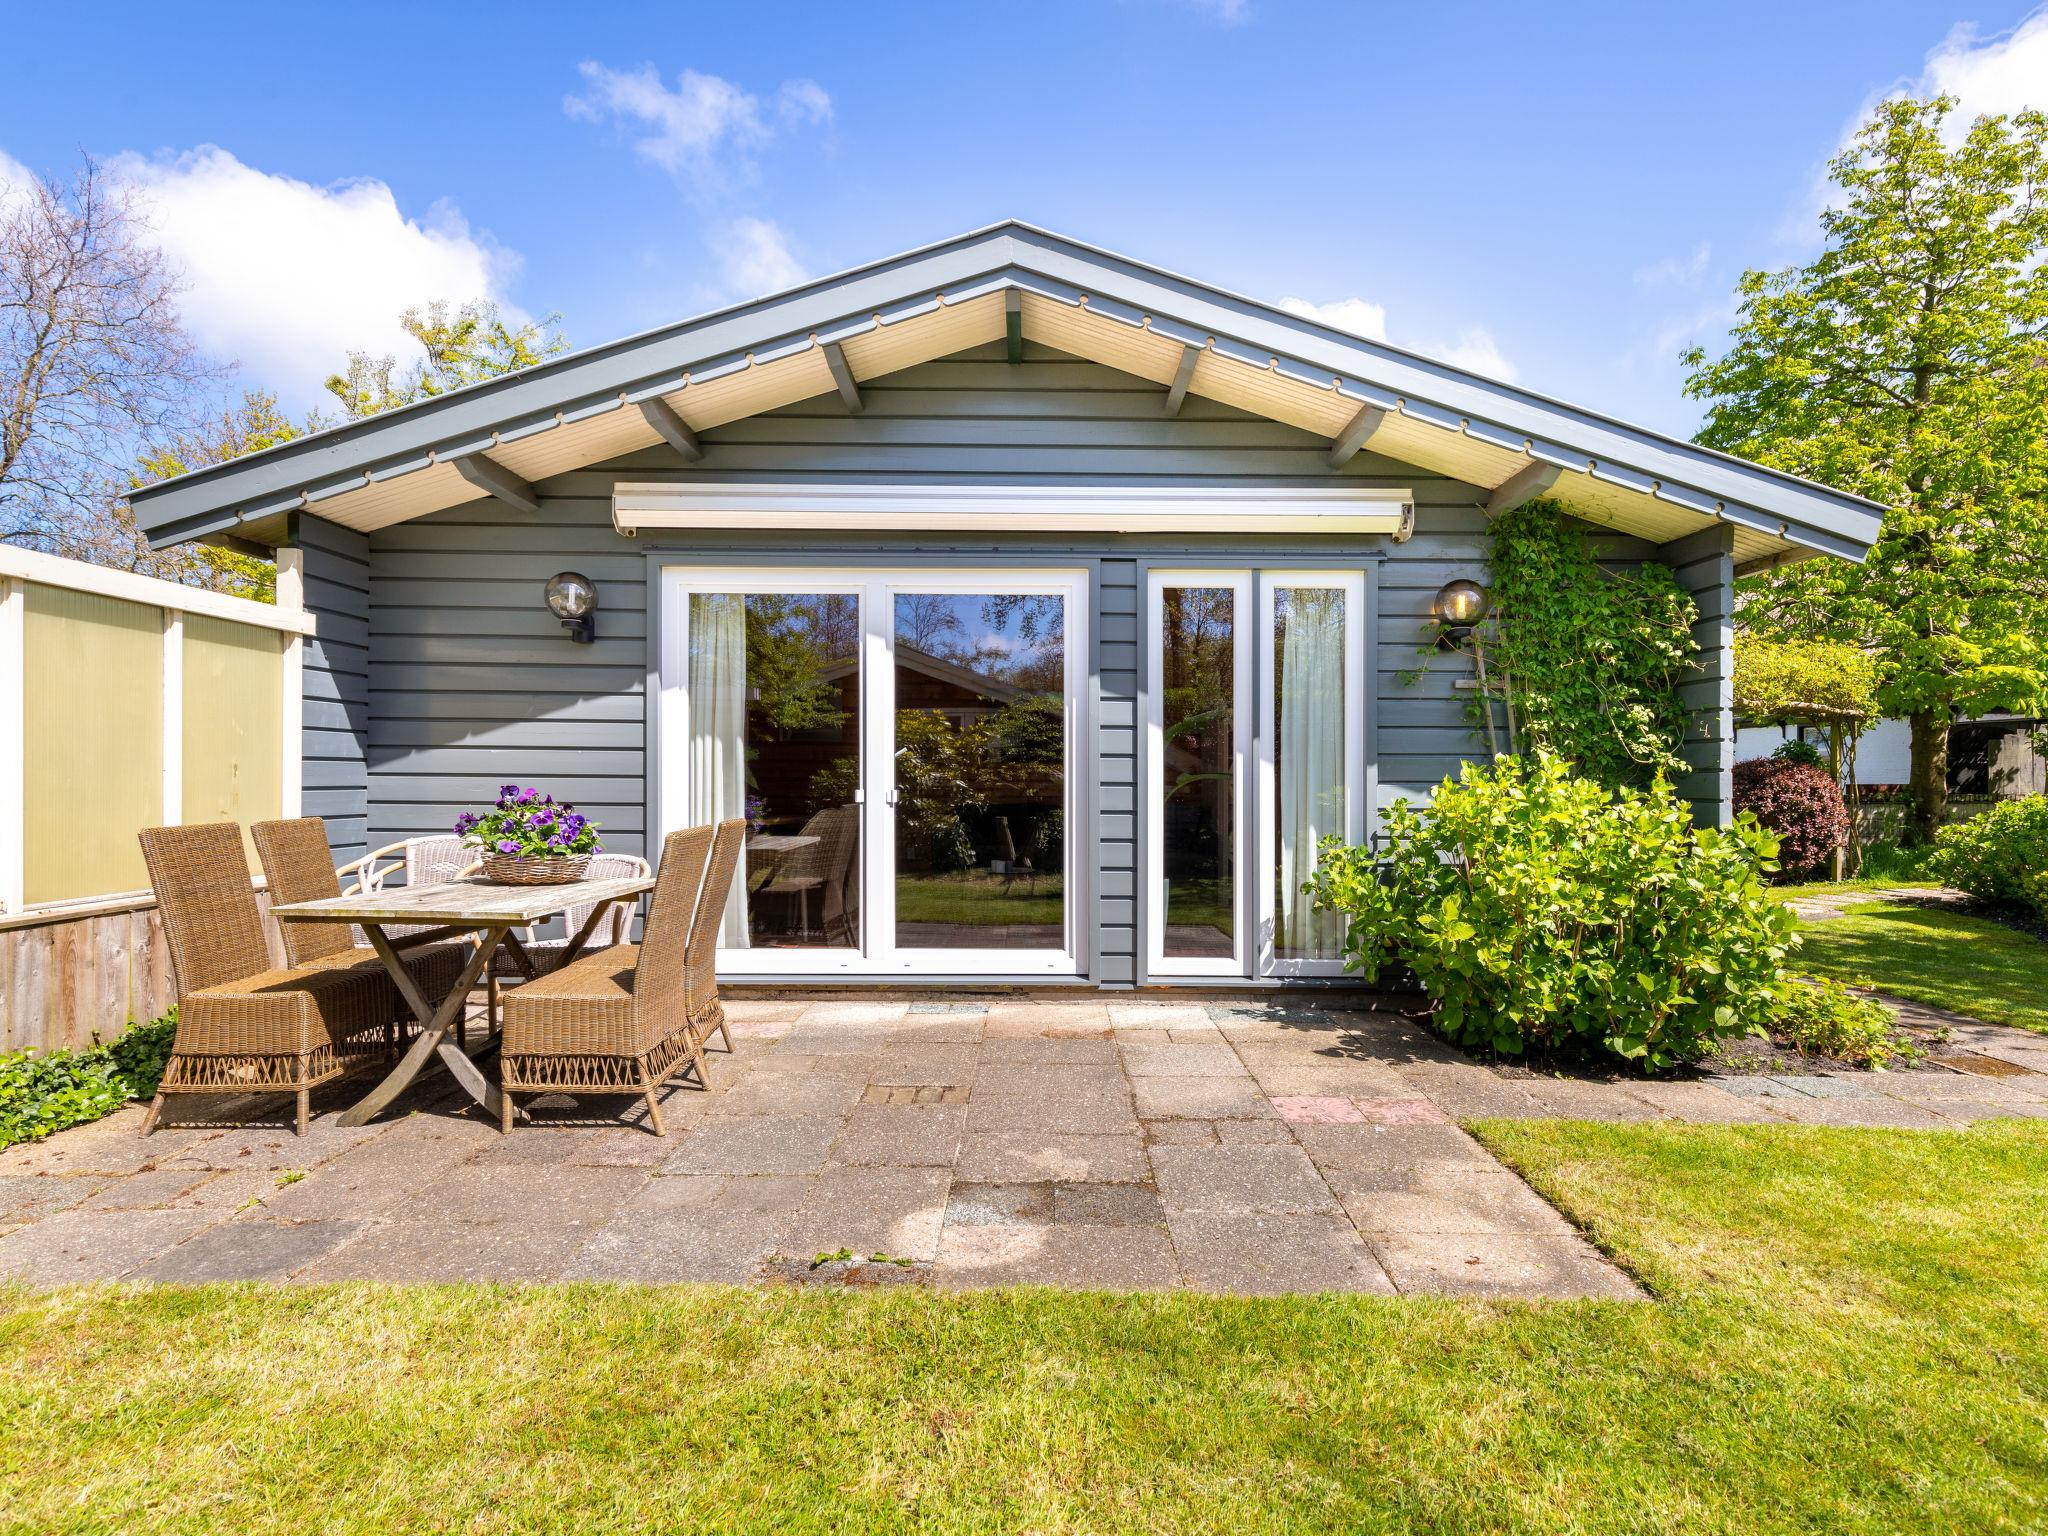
(1543,912)
(1828,1019)
(2000,856)
(42,1093)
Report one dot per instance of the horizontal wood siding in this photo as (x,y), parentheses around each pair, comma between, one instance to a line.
(335,682)
(472,684)
(1704,563)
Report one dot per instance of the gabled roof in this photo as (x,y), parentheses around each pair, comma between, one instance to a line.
(1008,279)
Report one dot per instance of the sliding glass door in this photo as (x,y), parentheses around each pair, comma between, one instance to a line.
(905,750)
(1255,752)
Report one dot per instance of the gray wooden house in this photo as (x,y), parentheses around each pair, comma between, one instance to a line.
(1040,608)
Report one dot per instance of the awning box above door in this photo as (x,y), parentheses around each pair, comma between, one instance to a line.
(991,509)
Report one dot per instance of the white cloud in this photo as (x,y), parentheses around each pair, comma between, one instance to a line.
(1361,317)
(287,278)
(1225,12)
(755,258)
(703,129)
(1988,76)
(1476,351)
(1676,271)
(1474,347)
(2000,74)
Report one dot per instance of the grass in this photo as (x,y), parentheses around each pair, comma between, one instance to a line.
(1968,965)
(1847,1338)
(975,896)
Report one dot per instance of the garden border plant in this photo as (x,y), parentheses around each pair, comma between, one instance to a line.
(43,1092)
(1546,913)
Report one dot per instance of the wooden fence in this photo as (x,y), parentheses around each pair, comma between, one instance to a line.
(125,702)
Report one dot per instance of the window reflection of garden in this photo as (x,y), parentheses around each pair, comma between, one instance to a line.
(980,771)
(1197,771)
(803,720)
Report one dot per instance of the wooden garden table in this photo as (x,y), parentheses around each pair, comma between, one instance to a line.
(476,906)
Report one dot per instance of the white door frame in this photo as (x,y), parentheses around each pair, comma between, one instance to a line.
(875,587)
(1357,690)
(1243,730)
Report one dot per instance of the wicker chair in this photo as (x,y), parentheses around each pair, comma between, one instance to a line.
(819,872)
(297,867)
(614,1021)
(546,954)
(701,962)
(244,1027)
(424,860)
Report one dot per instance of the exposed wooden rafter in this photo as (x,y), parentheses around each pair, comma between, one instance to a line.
(494,479)
(674,430)
(1353,437)
(842,376)
(1177,392)
(1526,483)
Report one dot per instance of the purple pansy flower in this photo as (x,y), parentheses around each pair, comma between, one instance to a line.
(507,845)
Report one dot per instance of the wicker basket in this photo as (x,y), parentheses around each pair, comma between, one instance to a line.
(511,869)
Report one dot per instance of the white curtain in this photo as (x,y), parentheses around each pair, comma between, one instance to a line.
(1311,767)
(718,730)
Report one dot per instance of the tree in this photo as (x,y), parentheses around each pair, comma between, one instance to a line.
(92,355)
(1907,363)
(463,346)
(1820,683)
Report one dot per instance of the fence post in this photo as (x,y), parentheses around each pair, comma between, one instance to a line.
(13,744)
(174,717)
(291,599)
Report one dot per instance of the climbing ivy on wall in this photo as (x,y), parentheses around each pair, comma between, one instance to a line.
(1581,659)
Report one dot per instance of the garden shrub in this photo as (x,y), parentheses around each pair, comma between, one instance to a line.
(1543,912)
(2000,856)
(1801,803)
(1829,1019)
(48,1091)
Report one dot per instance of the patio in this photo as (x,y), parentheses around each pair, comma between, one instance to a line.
(1128,1145)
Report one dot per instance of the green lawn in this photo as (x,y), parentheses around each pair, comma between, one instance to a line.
(975,896)
(1847,1339)
(1965,964)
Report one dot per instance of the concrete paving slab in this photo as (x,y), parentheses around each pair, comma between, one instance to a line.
(1000,1205)
(1495,1204)
(1107,1205)
(260,1249)
(896,1212)
(757,1144)
(31,1196)
(948,1066)
(1206,1060)
(901,1136)
(1090,1117)
(75,1247)
(1046,1081)
(1559,1268)
(1222,1181)
(1086,1258)
(1274,1255)
(1200,1098)
(781,1093)
(1019,1157)
(1039,1051)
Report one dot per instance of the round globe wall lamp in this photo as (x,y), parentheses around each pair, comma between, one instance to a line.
(1459,607)
(572,598)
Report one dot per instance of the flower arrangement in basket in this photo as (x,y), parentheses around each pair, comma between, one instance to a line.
(527,839)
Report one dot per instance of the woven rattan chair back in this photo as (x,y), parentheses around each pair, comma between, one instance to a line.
(617,926)
(297,866)
(701,961)
(201,878)
(659,996)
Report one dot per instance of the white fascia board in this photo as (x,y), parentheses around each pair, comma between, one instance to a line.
(1011,509)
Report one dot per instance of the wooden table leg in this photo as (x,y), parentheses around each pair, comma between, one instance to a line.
(434,1027)
(598,912)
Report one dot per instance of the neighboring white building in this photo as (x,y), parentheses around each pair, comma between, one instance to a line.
(1991,755)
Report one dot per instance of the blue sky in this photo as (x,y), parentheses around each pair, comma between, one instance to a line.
(1563,194)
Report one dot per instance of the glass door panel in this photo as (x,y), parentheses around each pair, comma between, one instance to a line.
(774,699)
(1199,728)
(1312,756)
(978,770)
